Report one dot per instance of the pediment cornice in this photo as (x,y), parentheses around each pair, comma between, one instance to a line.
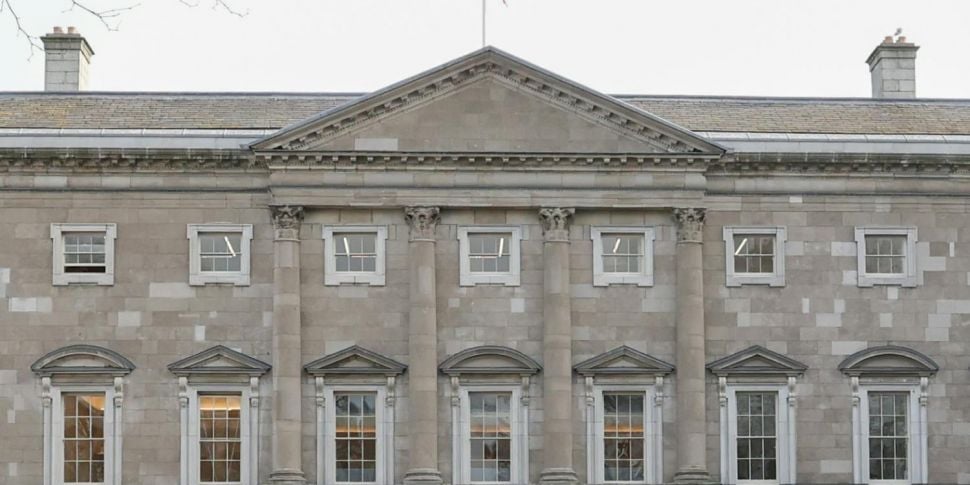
(219,360)
(657,135)
(355,360)
(756,360)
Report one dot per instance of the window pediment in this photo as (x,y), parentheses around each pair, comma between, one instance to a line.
(355,360)
(756,360)
(219,360)
(888,360)
(623,361)
(490,359)
(82,359)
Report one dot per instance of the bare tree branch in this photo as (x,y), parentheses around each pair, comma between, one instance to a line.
(110,18)
(32,40)
(105,16)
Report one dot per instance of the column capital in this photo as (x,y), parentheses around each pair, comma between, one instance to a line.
(555,222)
(690,224)
(287,220)
(422,222)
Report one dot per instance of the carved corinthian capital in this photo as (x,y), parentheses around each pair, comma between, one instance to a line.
(422,221)
(287,220)
(555,222)
(690,224)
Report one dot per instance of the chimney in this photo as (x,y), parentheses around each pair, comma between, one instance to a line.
(892,65)
(68,56)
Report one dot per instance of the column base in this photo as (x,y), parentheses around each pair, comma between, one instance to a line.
(287,476)
(558,476)
(422,476)
(693,475)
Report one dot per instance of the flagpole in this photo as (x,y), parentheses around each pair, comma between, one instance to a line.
(483,23)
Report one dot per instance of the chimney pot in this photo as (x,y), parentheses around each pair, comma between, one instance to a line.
(892,68)
(67,58)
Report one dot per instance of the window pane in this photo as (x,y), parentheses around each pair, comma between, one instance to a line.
(756,430)
(356,252)
(83,441)
(490,439)
(220,439)
(622,253)
(489,253)
(888,443)
(623,436)
(220,251)
(754,253)
(356,437)
(84,252)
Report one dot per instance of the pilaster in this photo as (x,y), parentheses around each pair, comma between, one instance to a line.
(557,349)
(287,361)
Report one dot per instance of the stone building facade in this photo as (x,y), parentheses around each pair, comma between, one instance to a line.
(484,273)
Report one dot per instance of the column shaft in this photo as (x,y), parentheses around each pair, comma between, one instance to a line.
(422,348)
(287,352)
(690,353)
(557,372)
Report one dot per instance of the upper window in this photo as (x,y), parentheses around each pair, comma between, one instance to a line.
(622,255)
(890,414)
(83,253)
(354,254)
(490,414)
(886,256)
(754,256)
(219,397)
(489,255)
(83,393)
(756,390)
(219,253)
(355,391)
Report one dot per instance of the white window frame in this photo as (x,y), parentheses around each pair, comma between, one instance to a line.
(773,279)
(248,431)
(653,433)
(602,278)
(917,464)
(112,433)
(785,439)
(520,434)
(61,278)
(468,278)
(199,278)
(385,433)
(908,279)
(332,277)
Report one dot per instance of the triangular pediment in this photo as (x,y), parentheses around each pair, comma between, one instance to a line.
(82,359)
(756,360)
(888,360)
(623,361)
(219,360)
(355,361)
(488,102)
(490,359)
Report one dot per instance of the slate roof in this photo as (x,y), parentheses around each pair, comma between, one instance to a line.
(94,110)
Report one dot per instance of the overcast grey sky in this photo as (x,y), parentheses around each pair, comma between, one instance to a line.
(728,47)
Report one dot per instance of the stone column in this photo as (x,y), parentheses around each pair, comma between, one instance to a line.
(422,347)
(287,361)
(691,401)
(557,355)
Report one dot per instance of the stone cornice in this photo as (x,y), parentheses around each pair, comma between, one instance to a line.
(44,159)
(839,163)
(330,160)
